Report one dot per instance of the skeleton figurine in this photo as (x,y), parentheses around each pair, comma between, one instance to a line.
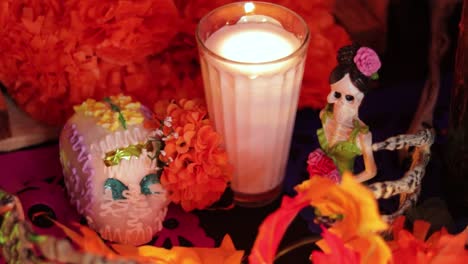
(343,135)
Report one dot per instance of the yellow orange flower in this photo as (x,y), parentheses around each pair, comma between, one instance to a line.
(361,221)
(89,241)
(349,198)
(358,228)
(340,254)
(226,253)
(355,238)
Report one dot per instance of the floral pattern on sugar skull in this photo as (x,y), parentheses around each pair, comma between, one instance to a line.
(110,172)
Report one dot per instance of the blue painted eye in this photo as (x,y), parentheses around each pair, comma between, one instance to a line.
(117,188)
(147,181)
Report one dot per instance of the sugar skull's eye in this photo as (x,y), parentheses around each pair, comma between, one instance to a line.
(117,188)
(147,181)
(349,98)
(337,95)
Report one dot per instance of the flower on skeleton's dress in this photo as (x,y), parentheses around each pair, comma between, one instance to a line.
(320,165)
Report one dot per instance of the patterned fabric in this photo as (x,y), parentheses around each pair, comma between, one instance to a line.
(181,228)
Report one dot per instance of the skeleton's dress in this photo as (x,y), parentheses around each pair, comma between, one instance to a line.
(332,161)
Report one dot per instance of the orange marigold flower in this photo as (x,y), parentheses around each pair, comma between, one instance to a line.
(361,221)
(417,248)
(187,112)
(184,142)
(197,170)
(358,229)
(339,253)
(207,138)
(193,10)
(55,54)
(175,72)
(123,31)
(89,241)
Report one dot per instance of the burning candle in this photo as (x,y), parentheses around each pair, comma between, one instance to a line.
(253,43)
(252,71)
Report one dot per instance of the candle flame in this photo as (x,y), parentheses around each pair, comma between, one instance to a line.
(249,7)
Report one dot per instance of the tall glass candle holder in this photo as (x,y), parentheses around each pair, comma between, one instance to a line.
(252,58)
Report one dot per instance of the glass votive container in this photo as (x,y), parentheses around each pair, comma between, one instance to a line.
(252,58)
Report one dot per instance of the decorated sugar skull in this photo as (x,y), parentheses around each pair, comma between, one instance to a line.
(110,170)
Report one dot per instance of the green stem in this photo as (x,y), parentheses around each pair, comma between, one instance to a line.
(296,245)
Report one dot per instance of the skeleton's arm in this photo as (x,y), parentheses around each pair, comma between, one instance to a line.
(423,137)
(365,140)
(409,185)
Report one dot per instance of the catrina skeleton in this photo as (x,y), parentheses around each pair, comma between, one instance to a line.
(343,135)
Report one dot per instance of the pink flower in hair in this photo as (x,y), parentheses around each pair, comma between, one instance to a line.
(367,62)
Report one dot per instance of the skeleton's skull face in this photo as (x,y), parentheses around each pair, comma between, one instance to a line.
(112,178)
(346,99)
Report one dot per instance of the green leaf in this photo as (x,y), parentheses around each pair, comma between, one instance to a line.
(116,109)
(122,121)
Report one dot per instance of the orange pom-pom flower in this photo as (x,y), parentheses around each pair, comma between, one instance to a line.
(196,170)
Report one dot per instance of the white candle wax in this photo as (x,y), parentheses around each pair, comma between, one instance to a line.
(253,103)
(253,44)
